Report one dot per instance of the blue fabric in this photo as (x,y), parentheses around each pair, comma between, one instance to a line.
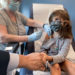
(24,71)
(27,29)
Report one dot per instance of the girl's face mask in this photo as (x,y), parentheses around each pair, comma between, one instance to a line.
(56,23)
(14,5)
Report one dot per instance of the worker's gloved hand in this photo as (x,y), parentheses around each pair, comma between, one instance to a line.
(47,29)
(34,36)
(56,25)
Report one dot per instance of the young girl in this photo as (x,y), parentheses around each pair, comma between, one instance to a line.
(58,44)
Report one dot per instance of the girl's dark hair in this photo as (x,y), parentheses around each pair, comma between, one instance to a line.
(66,30)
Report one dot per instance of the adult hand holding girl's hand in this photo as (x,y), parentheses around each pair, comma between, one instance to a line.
(46,58)
(37,61)
(34,61)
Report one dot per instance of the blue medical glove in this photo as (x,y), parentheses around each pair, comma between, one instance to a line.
(47,29)
(34,36)
(55,25)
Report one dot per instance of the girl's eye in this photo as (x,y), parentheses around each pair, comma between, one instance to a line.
(56,19)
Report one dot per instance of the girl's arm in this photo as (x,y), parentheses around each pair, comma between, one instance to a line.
(60,57)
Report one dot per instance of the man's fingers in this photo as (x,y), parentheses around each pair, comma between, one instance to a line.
(40,67)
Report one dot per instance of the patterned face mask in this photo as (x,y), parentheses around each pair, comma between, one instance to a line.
(56,25)
(14,5)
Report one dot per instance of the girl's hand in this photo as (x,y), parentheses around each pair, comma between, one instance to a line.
(46,58)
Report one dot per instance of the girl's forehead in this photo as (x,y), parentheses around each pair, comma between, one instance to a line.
(56,17)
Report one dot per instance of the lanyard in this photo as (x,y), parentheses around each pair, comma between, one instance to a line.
(58,44)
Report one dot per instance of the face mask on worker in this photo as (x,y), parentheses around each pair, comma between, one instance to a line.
(56,25)
(14,6)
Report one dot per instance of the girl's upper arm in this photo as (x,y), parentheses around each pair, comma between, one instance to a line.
(65,48)
(46,38)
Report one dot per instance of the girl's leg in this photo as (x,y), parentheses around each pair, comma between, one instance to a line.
(55,69)
(68,66)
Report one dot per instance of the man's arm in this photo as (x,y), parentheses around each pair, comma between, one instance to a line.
(33,61)
(4,61)
(9,62)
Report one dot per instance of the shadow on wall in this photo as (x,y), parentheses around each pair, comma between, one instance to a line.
(73,44)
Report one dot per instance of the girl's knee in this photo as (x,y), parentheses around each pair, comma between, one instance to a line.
(56,66)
